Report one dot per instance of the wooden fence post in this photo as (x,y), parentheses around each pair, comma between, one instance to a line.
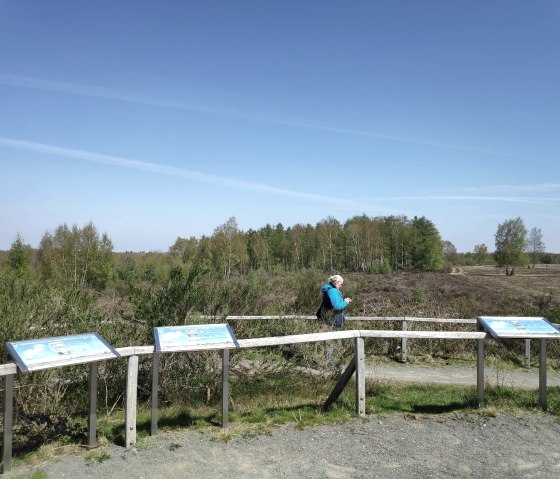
(131,400)
(527,353)
(480,371)
(404,342)
(360,376)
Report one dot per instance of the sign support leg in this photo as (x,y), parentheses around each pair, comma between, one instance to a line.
(225,388)
(8,423)
(542,373)
(92,422)
(480,371)
(155,380)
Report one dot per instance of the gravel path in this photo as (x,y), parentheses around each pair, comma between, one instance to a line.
(450,446)
(399,447)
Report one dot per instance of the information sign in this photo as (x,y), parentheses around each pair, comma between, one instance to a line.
(516,327)
(35,354)
(194,337)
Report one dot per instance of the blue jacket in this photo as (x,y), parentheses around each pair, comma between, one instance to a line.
(335,297)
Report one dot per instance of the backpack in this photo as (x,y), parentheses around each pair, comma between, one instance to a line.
(327,313)
(325,306)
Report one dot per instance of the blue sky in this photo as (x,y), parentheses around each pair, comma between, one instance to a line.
(163,119)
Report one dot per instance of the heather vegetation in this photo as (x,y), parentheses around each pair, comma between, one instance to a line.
(74,282)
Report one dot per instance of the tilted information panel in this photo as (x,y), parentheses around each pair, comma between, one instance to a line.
(518,327)
(194,337)
(35,354)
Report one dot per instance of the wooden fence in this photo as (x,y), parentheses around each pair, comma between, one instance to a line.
(356,365)
(406,323)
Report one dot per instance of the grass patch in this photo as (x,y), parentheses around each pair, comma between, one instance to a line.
(260,404)
(98,455)
(34,475)
(441,399)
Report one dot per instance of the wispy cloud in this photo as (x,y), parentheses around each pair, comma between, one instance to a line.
(117,95)
(534,188)
(495,198)
(157,168)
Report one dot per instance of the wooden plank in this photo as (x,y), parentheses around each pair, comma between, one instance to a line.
(126,351)
(131,401)
(243,318)
(341,384)
(8,369)
(423,334)
(360,376)
(441,320)
(294,339)
(134,350)
(358,318)
(139,350)
(374,319)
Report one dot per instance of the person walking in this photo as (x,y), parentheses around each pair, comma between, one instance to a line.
(333,305)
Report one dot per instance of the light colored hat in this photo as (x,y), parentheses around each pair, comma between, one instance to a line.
(336,279)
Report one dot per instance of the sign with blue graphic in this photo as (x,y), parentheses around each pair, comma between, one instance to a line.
(45,353)
(514,327)
(194,337)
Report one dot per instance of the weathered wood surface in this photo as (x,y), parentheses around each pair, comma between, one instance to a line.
(131,400)
(423,334)
(359,318)
(297,338)
(6,369)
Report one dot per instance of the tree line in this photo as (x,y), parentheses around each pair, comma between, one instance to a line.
(80,257)
(361,244)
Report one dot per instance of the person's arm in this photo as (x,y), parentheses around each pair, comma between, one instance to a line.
(336,299)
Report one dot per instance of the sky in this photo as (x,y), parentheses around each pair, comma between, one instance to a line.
(158,120)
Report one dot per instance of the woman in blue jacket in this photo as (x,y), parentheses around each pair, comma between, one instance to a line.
(333,306)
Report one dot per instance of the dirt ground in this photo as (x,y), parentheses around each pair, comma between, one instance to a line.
(442,446)
(454,445)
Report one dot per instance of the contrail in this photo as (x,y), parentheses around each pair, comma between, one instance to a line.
(174,171)
(110,94)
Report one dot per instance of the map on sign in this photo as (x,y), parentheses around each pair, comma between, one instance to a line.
(195,337)
(35,354)
(514,327)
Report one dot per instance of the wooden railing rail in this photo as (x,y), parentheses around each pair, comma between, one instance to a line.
(357,366)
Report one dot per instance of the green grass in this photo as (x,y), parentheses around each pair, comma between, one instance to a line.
(97,455)
(34,475)
(259,404)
